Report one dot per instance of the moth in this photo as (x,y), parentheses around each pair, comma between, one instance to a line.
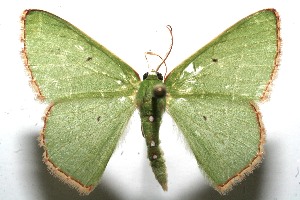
(212,96)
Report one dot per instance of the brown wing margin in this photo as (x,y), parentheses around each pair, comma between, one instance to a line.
(227,186)
(32,81)
(266,93)
(56,171)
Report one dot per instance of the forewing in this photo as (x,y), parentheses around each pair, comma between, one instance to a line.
(80,136)
(64,63)
(225,136)
(242,61)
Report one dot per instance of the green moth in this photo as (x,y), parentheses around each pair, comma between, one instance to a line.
(212,96)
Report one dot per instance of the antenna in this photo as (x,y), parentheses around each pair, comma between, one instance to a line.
(167,54)
(170,49)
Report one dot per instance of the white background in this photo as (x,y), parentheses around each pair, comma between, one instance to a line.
(129,28)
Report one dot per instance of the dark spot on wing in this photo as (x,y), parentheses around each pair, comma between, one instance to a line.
(205,118)
(98,118)
(214,60)
(89,58)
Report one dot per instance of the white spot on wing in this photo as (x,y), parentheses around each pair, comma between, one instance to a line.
(119,82)
(188,90)
(79,47)
(191,71)
(191,81)
(122,99)
(180,99)
(194,70)
(123,75)
(198,70)
(190,68)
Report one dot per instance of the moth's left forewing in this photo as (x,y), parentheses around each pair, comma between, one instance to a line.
(212,97)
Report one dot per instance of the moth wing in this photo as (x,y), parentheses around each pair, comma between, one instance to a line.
(225,136)
(80,136)
(239,63)
(64,63)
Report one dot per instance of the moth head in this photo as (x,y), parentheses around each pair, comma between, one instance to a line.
(159,75)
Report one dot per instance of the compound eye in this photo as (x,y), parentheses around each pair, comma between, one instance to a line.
(145,75)
(159,76)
